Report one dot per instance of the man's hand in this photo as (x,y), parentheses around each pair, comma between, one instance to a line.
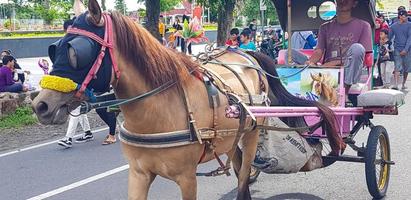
(403,53)
(310,63)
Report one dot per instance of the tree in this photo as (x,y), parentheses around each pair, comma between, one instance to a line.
(153,8)
(166,5)
(120,6)
(103,5)
(225,16)
(251,9)
(153,14)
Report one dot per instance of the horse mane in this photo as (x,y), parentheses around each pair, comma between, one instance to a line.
(155,62)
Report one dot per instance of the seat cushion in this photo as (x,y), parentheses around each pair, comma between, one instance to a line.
(381,98)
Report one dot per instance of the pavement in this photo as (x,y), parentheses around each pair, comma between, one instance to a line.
(95,172)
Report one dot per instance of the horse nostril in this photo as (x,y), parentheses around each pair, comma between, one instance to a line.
(42,107)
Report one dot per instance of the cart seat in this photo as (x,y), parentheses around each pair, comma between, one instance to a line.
(381,98)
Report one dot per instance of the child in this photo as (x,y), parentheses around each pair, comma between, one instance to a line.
(44,65)
(234,40)
(246,42)
(387,66)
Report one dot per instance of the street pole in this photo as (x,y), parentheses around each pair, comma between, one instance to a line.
(208,13)
(263,7)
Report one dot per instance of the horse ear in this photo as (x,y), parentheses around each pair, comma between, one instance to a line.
(95,16)
(78,7)
(312,77)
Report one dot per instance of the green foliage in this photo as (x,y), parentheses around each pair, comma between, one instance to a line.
(251,10)
(142,12)
(239,22)
(9,35)
(11,24)
(23,116)
(120,6)
(48,10)
(166,5)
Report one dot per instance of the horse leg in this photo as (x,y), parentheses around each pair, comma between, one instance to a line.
(237,160)
(139,183)
(188,185)
(249,141)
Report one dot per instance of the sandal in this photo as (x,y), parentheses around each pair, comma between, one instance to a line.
(108,141)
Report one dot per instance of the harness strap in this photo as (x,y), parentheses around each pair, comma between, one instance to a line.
(192,122)
(238,77)
(107,42)
(169,139)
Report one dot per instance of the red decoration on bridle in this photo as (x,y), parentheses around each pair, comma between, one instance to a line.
(107,42)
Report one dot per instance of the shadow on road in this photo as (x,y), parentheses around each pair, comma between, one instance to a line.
(286,196)
(293,196)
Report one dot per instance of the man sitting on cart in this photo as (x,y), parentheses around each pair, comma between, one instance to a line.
(342,41)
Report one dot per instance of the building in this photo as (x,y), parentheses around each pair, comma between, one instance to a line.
(184,8)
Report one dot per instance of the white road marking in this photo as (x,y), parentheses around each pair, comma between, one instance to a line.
(80,183)
(42,144)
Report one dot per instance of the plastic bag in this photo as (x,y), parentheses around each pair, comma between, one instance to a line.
(285,152)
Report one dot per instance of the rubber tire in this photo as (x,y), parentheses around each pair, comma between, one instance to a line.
(370,154)
(254,176)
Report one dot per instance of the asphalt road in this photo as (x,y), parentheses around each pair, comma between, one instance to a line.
(92,171)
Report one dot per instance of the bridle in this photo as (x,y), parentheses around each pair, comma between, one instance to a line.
(107,42)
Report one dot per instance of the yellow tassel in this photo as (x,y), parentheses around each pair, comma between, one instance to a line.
(58,83)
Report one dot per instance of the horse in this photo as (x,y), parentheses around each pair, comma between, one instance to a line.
(136,63)
(321,85)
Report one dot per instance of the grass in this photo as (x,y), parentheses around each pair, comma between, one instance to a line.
(210,27)
(10,35)
(23,116)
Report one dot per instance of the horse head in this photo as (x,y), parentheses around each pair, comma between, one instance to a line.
(317,83)
(73,57)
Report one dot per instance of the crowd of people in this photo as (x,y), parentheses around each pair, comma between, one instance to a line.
(393,37)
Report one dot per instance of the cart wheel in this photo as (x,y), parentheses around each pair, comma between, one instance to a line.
(377,154)
(254,173)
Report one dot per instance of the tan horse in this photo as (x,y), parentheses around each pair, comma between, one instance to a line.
(145,64)
(322,86)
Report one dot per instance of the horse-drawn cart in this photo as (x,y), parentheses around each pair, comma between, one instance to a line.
(326,84)
(179,113)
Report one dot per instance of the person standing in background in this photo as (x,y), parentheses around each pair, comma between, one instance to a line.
(253,27)
(401,32)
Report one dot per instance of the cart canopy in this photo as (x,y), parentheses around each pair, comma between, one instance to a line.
(310,14)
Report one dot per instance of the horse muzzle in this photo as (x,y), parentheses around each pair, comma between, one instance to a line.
(52,107)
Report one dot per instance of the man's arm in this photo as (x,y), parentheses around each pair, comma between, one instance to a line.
(319,50)
(315,57)
(366,38)
(408,44)
(9,78)
(391,34)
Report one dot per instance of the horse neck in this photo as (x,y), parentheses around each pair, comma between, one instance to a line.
(154,114)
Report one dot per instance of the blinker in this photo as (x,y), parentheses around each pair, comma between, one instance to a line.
(81,51)
(52,50)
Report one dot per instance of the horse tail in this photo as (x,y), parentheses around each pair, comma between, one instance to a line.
(284,98)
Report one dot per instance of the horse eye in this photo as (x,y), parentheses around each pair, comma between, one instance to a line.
(72,56)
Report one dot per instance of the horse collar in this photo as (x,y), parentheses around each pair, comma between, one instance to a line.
(107,42)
